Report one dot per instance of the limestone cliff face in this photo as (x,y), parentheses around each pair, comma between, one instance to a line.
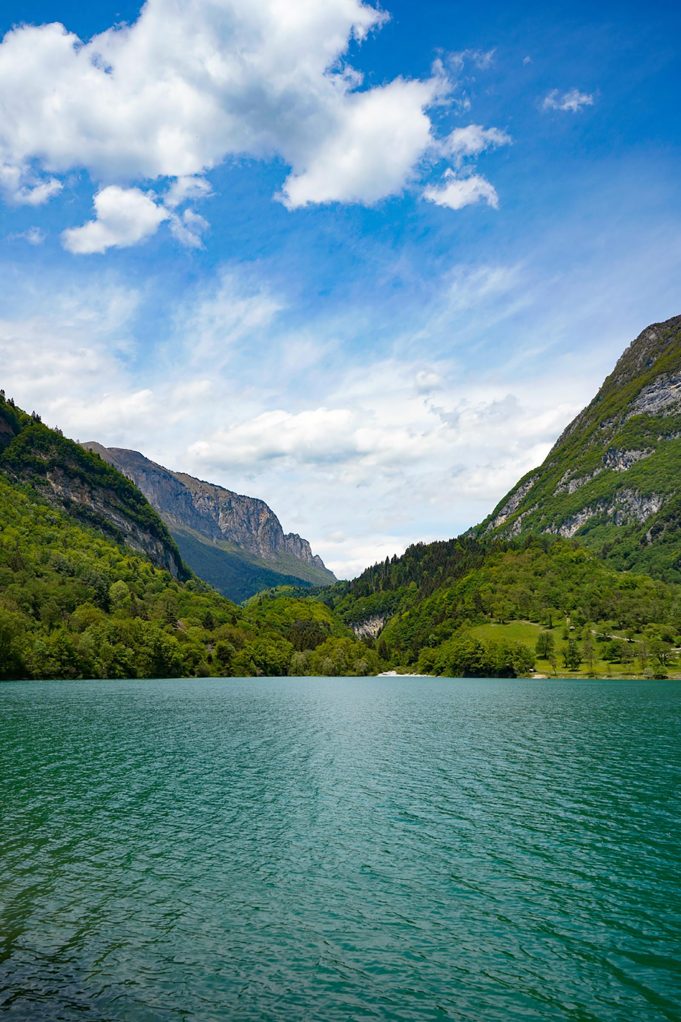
(218,514)
(99,506)
(70,478)
(613,478)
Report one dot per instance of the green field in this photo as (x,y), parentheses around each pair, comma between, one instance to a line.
(528,632)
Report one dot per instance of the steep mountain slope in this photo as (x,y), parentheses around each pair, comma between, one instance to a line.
(234,542)
(86,589)
(71,478)
(613,479)
(548,560)
(76,604)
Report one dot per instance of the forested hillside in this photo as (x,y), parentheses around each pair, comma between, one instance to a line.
(71,478)
(75,604)
(475,607)
(86,588)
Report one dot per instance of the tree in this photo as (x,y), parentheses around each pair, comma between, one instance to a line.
(545,645)
(661,653)
(589,653)
(120,599)
(572,657)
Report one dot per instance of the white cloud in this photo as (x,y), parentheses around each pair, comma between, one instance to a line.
(480,59)
(124,217)
(427,381)
(571,101)
(67,344)
(313,436)
(351,164)
(24,188)
(188,228)
(184,188)
(188,85)
(316,436)
(232,308)
(458,192)
(473,140)
(33,235)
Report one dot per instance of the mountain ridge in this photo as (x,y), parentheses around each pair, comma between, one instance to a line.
(219,531)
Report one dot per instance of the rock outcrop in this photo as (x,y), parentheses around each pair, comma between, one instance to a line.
(370,627)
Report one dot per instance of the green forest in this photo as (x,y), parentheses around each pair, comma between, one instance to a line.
(506,608)
(76,604)
(92,585)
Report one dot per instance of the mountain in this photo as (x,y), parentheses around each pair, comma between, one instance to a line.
(613,478)
(234,542)
(577,558)
(73,479)
(92,585)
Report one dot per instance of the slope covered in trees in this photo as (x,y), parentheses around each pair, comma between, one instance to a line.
(92,584)
(466,622)
(75,604)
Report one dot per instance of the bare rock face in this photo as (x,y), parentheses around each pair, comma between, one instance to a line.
(370,627)
(511,504)
(99,505)
(621,461)
(661,397)
(626,507)
(217,514)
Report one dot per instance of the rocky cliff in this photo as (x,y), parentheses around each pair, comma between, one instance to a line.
(613,478)
(197,511)
(90,490)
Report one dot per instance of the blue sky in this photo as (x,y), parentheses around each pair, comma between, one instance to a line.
(365,266)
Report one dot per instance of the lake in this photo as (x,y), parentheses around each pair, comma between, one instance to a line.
(351,849)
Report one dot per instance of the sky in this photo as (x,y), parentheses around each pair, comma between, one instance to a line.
(362,262)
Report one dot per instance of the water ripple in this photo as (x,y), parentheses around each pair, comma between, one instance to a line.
(340,849)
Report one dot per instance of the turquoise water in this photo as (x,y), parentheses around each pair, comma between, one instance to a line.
(340,849)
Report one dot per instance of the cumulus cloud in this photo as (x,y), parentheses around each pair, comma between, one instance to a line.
(315,436)
(124,217)
(571,101)
(458,192)
(351,164)
(188,85)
